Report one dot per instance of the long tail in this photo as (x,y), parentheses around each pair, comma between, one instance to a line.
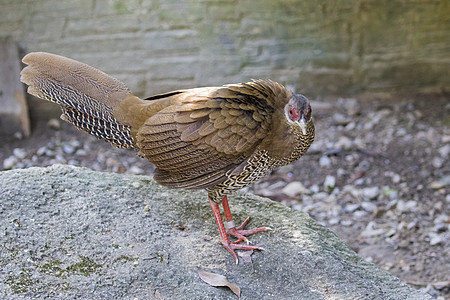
(87,96)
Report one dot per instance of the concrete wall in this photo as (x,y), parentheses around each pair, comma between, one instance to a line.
(317,47)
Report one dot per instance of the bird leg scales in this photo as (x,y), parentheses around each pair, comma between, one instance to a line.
(238,232)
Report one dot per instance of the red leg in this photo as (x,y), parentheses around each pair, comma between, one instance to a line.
(223,234)
(238,232)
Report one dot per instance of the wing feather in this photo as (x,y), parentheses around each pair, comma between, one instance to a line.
(207,132)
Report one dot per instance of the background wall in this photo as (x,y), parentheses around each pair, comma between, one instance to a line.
(317,47)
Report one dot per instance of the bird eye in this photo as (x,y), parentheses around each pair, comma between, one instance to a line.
(293,115)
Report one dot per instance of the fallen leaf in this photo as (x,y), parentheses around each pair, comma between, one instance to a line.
(246,256)
(218,280)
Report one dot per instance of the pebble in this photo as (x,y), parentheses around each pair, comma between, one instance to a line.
(341,172)
(351,207)
(41,151)
(329,183)
(49,153)
(437,162)
(392,194)
(135,170)
(9,162)
(19,153)
(369,206)
(347,223)
(442,219)
(401,132)
(350,126)
(18,135)
(60,158)
(436,239)
(294,188)
(69,149)
(54,124)
(81,152)
(403,206)
(371,230)
(340,119)
(314,188)
(351,106)
(396,178)
(324,161)
(333,221)
(438,184)
(73,162)
(359,214)
(370,192)
(344,143)
(444,151)
(321,196)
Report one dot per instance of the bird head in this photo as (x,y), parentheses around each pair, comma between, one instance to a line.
(298,111)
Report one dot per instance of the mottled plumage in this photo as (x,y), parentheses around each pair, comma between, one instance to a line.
(216,138)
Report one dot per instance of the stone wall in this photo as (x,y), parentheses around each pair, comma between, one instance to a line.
(317,47)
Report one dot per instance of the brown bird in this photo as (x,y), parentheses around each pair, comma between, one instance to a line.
(216,138)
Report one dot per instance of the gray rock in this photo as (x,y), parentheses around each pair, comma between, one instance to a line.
(442,182)
(54,124)
(340,119)
(294,188)
(369,206)
(370,192)
(436,239)
(396,178)
(41,151)
(444,151)
(437,162)
(404,206)
(325,161)
(135,170)
(20,153)
(314,188)
(344,143)
(351,106)
(69,232)
(9,162)
(329,183)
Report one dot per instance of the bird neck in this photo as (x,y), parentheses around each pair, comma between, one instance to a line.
(288,143)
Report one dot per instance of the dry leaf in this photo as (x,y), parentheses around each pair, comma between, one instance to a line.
(218,280)
(246,256)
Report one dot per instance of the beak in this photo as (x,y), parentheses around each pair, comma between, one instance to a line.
(302,124)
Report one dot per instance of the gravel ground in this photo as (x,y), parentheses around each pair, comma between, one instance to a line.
(378,175)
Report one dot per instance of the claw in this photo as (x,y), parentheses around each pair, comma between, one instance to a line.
(231,247)
(237,232)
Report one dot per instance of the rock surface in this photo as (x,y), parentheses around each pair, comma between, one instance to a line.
(70,232)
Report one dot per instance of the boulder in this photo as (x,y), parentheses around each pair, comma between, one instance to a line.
(69,232)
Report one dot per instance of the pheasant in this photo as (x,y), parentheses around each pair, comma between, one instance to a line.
(216,138)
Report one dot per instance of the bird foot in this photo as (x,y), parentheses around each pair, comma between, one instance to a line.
(231,246)
(232,230)
(240,233)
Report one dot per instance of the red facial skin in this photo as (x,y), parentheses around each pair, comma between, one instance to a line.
(293,115)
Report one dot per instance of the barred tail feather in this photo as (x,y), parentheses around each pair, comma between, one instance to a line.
(87,96)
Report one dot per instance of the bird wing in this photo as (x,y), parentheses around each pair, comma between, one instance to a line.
(205,133)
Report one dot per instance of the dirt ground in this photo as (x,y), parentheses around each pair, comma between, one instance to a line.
(378,175)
